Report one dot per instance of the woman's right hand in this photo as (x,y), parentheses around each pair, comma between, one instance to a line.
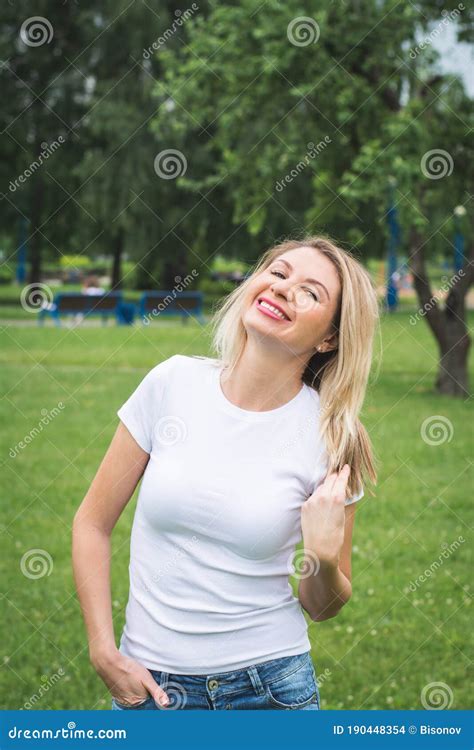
(129,682)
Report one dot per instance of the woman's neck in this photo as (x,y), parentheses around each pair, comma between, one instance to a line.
(261,381)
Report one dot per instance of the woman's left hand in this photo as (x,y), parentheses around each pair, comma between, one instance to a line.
(323,519)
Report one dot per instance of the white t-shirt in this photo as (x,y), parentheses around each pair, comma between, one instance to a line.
(217,520)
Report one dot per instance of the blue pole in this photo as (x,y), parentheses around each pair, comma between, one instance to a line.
(458,244)
(22,252)
(393,242)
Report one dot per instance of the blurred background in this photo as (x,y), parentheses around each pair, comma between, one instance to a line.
(149,153)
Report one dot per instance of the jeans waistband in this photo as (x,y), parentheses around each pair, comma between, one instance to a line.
(254,676)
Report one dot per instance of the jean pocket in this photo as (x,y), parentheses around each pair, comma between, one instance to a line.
(147,703)
(295,688)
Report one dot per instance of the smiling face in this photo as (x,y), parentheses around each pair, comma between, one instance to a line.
(294,300)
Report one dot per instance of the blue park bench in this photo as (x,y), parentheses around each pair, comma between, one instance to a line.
(71,303)
(155,304)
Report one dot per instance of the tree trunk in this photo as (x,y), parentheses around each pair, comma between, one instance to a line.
(117,260)
(454,348)
(36,238)
(448,325)
(174,270)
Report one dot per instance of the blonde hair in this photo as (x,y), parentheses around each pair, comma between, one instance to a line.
(339,376)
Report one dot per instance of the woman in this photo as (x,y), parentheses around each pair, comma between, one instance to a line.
(242,458)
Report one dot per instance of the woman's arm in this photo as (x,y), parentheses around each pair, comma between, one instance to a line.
(324,594)
(111,489)
(327,525)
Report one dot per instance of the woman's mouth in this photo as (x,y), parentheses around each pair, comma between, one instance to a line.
(272,311)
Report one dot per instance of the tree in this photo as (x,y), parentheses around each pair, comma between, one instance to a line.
(138,208)
(353,84)
(425,148)
(43,97)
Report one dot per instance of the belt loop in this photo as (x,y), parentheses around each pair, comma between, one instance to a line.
(164,680)
(256,681)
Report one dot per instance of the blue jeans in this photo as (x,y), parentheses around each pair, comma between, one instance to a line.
(286,683)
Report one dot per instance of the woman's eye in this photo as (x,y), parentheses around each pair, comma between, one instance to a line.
(282,276)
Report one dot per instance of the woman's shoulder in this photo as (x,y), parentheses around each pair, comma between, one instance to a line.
(192,360)
(183,363)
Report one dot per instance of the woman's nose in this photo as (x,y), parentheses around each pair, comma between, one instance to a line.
(282,287)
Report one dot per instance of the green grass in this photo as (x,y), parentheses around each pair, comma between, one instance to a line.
(383,648)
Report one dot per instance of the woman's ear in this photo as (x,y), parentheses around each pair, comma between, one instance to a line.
(328,345)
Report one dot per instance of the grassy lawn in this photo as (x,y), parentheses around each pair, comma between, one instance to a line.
(384,647)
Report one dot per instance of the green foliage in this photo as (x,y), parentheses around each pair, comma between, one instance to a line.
(243,104)
(226,265)
(74,261)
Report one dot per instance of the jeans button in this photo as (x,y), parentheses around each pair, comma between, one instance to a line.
(213,684)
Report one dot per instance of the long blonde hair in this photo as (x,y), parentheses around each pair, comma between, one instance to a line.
(339,376)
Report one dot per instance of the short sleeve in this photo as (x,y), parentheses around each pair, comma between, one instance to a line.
(142,409)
